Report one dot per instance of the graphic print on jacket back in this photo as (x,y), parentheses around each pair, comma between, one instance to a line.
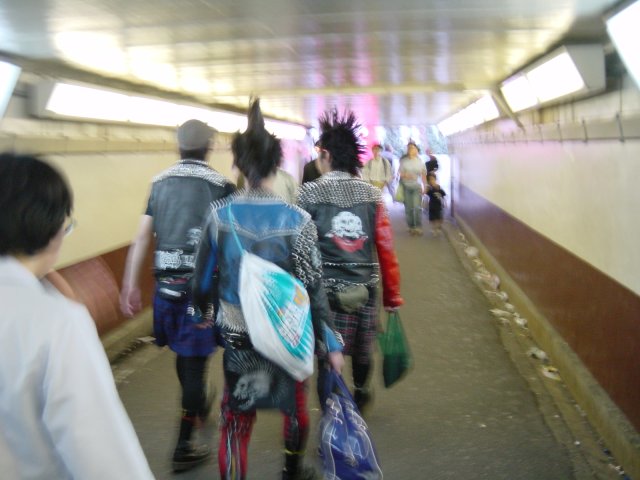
(346,232)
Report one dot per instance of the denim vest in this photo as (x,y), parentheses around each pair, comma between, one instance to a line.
(266,227)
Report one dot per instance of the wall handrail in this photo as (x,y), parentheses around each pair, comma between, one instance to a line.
(617,128)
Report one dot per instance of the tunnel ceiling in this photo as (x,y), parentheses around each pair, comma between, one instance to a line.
(395,62)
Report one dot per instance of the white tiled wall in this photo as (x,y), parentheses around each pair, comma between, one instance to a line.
(583,196)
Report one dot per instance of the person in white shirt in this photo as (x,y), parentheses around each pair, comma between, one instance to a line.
(378,171)
(60,414)
(413,180)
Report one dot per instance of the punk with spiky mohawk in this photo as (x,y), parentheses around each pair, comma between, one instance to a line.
(339,137)
(256,152)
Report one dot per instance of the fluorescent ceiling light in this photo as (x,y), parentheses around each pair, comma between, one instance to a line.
(483,110)
(518,93)
(85,102)
(480,111)
(227,121)
(9,74)
(570,70)
(623,30)
(555,78)
(63,99)
(286,130)
(150,111)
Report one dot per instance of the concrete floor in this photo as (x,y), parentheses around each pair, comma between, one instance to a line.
(474,406)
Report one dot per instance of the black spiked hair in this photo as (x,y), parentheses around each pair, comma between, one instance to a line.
(256,152)
(339,137)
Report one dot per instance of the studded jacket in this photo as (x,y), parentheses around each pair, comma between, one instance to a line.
(271,229)
(179,203)
(354,234)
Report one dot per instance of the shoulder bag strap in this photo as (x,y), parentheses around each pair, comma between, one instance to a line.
(232,221)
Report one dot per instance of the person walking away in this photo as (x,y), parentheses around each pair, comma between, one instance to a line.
(60,413)
(437,203)
(177,206)
(378,171)
(285,185)
(311,170)
(413,180)
(260,222)
(431,164)
(356,243)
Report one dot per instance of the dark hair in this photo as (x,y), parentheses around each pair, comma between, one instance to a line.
(197,154)
(411,142)
(256,152)
(376,145)
(34,202)
(340,139)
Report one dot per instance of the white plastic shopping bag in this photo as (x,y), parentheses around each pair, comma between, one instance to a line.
(276,308)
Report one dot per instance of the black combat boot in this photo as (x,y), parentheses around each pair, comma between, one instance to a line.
(362,396)
(187,455)
(294,469)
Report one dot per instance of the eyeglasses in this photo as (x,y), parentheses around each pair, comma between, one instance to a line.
(70,226)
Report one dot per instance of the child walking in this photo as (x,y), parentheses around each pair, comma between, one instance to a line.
(436,204)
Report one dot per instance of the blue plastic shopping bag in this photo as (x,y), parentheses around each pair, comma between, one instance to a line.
(346,446)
